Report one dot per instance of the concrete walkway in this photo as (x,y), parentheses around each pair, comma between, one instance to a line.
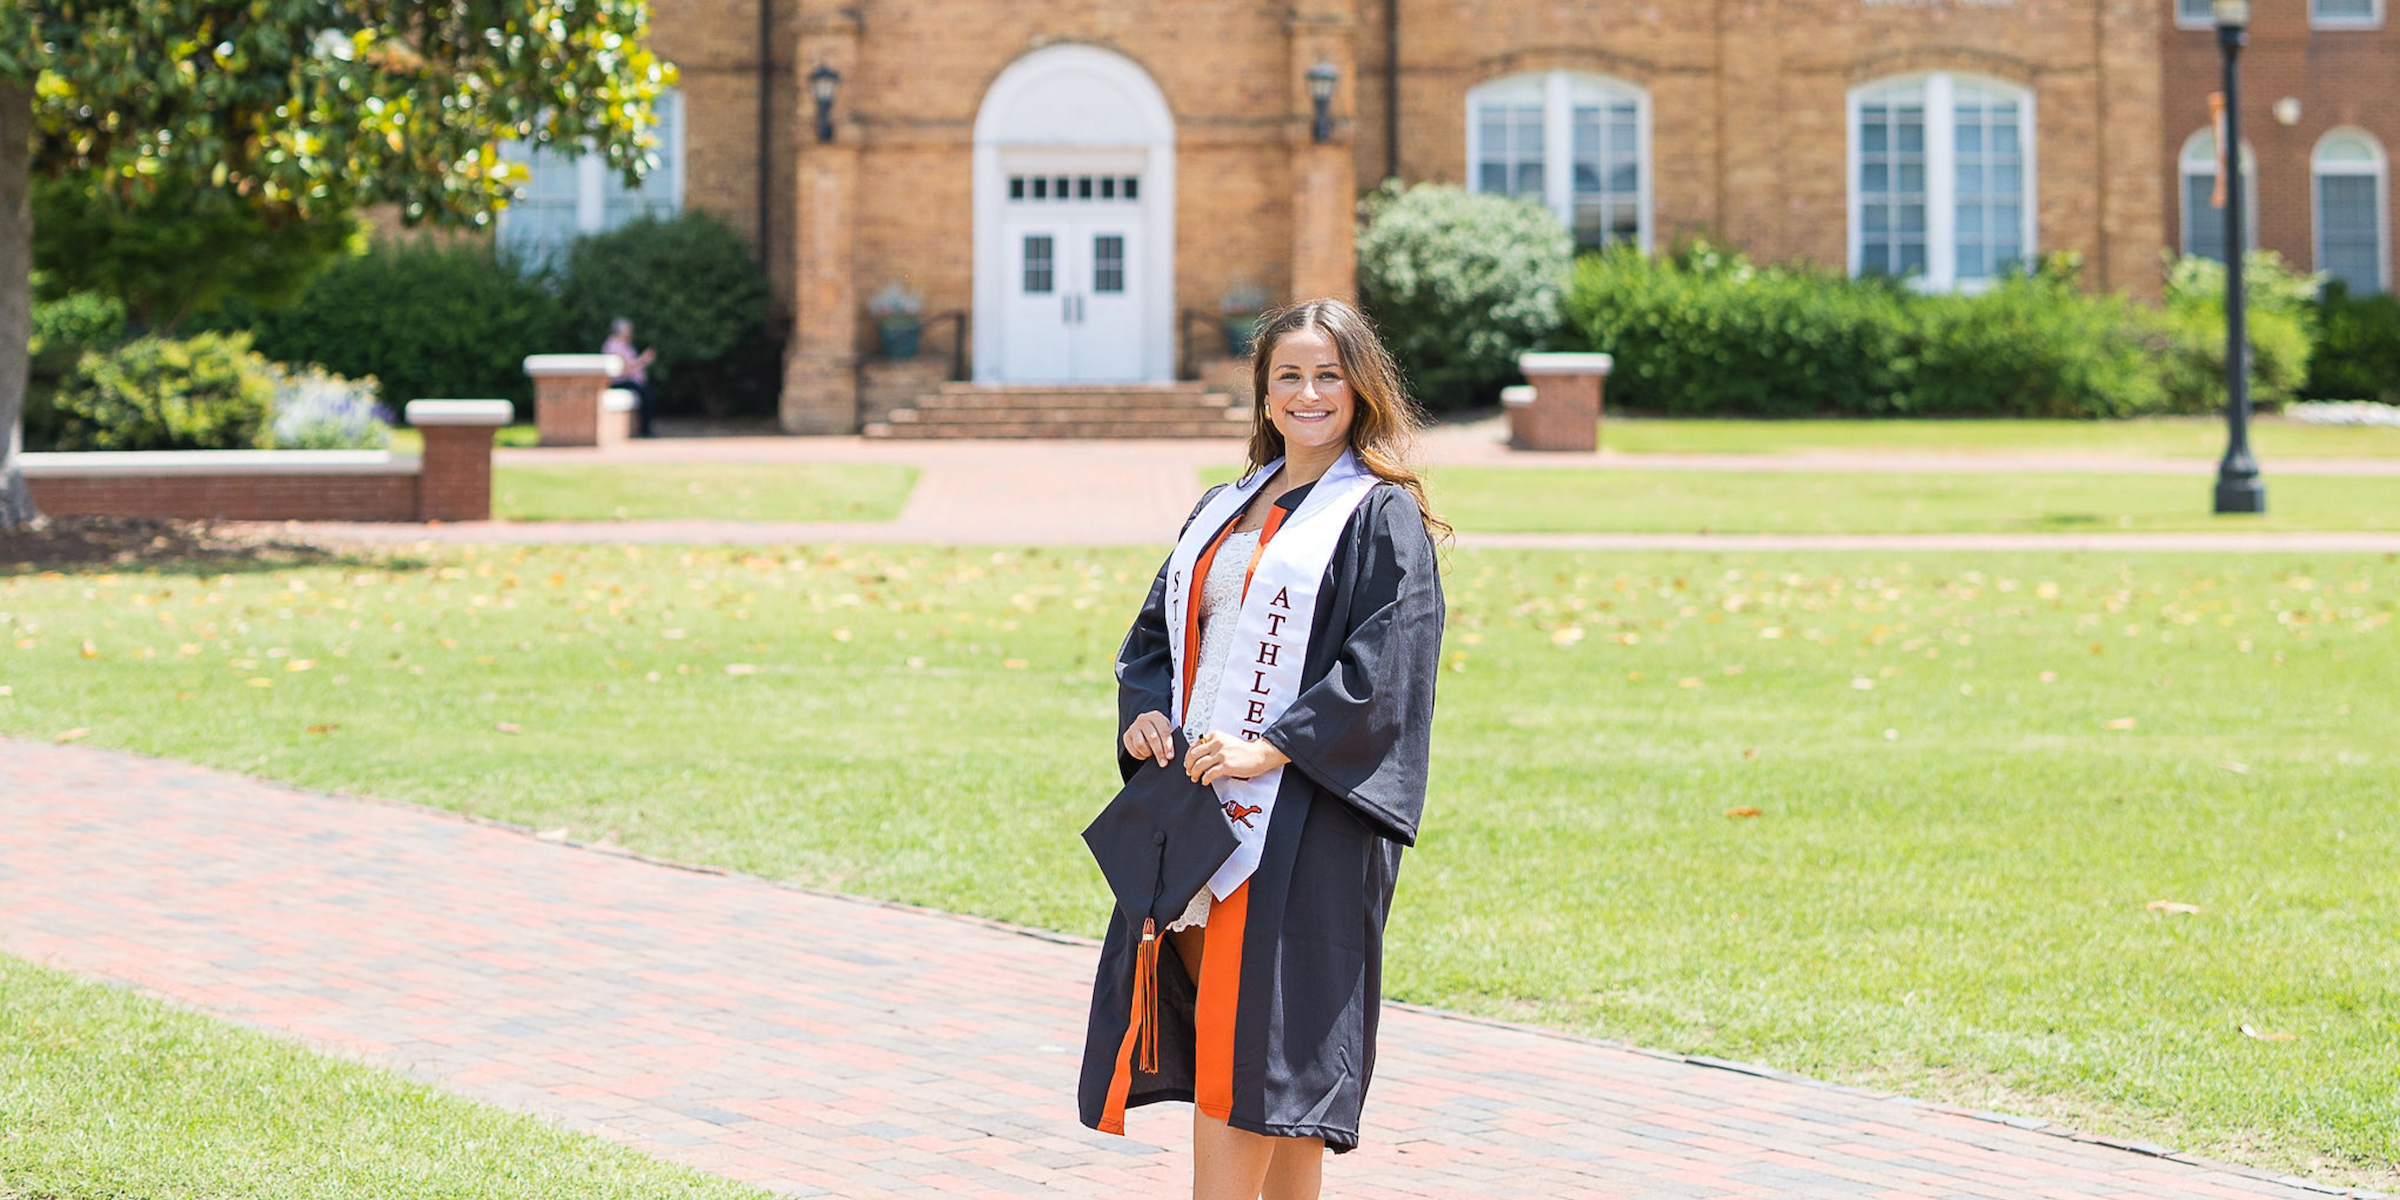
(1476,443)
(825,1046)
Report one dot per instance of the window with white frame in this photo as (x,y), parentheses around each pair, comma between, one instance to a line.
(2195,14)
(2351,177)
(2203,220)
(1596,131)
(1941,179)
(570,194)
(2345,14)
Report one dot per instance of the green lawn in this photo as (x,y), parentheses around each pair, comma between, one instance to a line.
(2183,437)
(718,491)
(1974,774)
(105,1094)
(1584,499)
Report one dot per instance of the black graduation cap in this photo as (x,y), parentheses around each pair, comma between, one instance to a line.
(1160,839)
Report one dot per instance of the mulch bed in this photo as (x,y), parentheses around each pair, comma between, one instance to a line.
(53,543)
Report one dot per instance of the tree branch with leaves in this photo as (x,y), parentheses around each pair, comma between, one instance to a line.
(289,111)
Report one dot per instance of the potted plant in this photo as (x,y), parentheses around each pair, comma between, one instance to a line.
(1241,305)
(899,318)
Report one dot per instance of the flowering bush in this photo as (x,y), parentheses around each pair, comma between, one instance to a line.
(1459,284)
(316,409)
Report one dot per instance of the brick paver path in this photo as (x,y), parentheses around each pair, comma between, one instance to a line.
(1034,492)
(821,1045)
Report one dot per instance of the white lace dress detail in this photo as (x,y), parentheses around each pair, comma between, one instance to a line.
(1221,592)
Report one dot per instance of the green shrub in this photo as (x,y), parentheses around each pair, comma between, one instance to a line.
(427,320)
(1459,284)
(2036,346)
(180,247)
(207,392)
(2358,351)
(1703,332)
(2280,314)
(695,293)
(63,330)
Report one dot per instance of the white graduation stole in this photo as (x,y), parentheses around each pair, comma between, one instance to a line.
(1262,672)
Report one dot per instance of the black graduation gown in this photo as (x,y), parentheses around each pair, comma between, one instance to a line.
(1312,947)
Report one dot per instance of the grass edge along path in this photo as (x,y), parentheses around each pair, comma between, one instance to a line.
(702,491)
(108,1093)
(2272,437)
(1553,500)
(1973,775)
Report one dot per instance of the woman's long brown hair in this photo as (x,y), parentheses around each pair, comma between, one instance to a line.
(1384,419)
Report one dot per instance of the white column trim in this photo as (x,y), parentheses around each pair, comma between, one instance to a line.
(1941,182)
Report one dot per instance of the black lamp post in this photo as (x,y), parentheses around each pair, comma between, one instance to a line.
(1321,79)
(822,84)
(2238,486)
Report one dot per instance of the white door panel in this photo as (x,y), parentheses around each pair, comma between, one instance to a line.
(1073,280)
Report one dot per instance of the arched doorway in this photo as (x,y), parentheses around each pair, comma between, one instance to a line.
(1074,222)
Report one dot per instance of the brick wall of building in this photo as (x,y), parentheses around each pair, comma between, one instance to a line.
(2342,77)
(1748,103)
(716,47)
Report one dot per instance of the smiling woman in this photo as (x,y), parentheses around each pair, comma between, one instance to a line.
(1297,624)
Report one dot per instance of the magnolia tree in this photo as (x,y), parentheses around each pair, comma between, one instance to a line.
(293,110)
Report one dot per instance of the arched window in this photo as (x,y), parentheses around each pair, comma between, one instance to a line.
(1941,179)
(1577,143)
(2203,222)
(571,194)
(2352,238)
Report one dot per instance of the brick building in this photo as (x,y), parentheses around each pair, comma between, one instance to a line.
(1084,180)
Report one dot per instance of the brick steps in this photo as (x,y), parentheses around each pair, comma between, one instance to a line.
(968,410)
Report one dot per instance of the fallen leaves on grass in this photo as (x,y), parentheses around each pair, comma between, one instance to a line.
(508,727)
(2120,723)
(2173,908)
(553,835)
(740,669)
(327,727)
(73,735)
(1742,811)
(2235,767)
(2252,1031)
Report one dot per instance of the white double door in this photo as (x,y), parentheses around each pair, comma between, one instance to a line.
(1073,286)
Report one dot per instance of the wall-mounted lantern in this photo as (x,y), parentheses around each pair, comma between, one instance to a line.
(822,84)
(1321,79)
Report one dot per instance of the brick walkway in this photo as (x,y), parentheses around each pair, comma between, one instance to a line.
(1137,492)
(821,1045)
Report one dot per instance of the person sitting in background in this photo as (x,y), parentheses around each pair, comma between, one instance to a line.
(634,375)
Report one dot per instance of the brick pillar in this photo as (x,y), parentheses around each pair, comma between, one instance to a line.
(567,390)
(2133,188)
(1564,413)
(1324,174)
(820,379)
(454,482)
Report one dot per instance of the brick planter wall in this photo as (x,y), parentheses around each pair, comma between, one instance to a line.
(451,482)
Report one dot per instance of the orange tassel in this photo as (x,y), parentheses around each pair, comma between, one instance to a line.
(1145,999)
